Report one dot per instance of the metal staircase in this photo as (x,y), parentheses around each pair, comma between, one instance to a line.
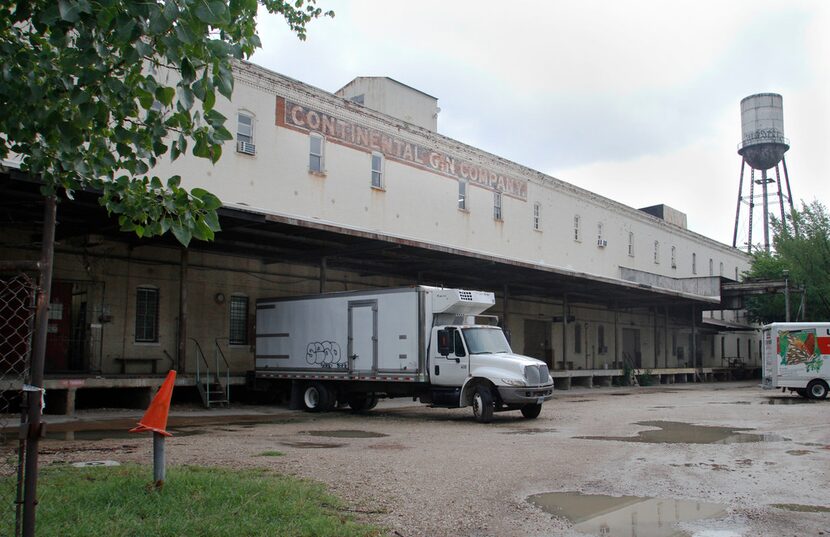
(213,383)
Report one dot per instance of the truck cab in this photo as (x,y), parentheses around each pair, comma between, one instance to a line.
(473,365)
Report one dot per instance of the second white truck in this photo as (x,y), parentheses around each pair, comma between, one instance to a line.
(423,342)
(797,358)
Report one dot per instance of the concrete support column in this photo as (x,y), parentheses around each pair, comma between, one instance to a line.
(182,358)
(565,331)
(323,275)
(71,393)
(504,314)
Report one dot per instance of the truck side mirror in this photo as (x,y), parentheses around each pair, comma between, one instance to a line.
(444,342)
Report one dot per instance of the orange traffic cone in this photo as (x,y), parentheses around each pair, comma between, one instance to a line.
(155,419)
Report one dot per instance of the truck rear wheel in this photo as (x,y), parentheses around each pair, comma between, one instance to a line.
(317,397)
(483,404)
(817,389)
(531,411)
(363,402)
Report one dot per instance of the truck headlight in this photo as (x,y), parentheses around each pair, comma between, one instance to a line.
(514,382)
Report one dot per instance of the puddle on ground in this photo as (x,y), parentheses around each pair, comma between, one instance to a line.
(345,433)
(730,403)
(621,394)
(799,452)
(101,434)
(673,432)
(624,516)
(800,508)
(530,430)
(580,401)
(309,445)
(388,447)
(790,401)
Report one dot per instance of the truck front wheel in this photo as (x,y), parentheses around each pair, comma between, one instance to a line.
(817,389)
(483,404)
(531,411)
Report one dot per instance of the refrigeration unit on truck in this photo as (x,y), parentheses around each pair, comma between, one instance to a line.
(797,358)
(423,342)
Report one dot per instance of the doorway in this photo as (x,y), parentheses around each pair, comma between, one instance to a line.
(631,348)
(538,341)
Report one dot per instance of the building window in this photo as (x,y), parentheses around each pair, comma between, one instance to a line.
(497,206)
(577,233)
(537,216)
(462,194)
(631,244)
(656,252)
(377,170)
(736,274)
(694,263)
(238,326)
(147,315)
(674,257)
(711,267)
(245,134)
(721,269)
(577,338)
(601,339)
(599,231)
(316,153)
(244,128)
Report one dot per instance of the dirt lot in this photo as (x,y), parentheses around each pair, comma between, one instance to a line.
(435,472)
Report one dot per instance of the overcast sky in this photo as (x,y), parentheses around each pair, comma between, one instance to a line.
(636,101)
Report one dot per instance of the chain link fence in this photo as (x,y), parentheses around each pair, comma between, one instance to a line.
(17,311)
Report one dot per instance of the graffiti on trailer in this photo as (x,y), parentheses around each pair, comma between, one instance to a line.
(800,347)
(326,354)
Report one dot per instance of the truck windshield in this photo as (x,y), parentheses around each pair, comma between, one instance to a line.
(485,340)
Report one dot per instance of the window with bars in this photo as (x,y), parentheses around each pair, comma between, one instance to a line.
(147,315)
(537,216)
(315,153)
(577,233)
(238,325)
(497,206)
(631,244)
(377,170)
(674,257)
(694,263)
(656,252)
(711,267)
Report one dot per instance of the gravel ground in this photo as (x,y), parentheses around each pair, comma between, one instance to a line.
(438,473)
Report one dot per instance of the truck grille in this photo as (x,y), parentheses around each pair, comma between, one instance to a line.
(536,375)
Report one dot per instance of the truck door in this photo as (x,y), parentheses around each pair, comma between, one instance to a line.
(452,369)
(363,335)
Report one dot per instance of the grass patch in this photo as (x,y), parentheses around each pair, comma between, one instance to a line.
(271,454)
(210,502)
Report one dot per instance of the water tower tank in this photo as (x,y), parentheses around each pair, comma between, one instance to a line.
(762,127)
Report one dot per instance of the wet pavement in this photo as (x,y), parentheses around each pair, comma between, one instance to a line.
(673,432)
(624,516)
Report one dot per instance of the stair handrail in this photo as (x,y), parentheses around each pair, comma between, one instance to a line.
(217,353)
(201,353)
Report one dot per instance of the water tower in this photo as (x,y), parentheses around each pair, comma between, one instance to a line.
(762,147)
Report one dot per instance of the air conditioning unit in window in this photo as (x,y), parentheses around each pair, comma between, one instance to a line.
(245,147)
(602,243)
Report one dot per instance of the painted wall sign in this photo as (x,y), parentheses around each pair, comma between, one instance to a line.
(336,130)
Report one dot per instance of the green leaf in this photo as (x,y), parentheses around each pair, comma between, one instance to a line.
(70,11)
(213,12)
(182,234)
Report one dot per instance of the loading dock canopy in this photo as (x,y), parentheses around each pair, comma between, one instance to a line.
(283,239)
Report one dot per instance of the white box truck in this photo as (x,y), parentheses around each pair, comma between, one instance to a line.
(797,358)
(422,342)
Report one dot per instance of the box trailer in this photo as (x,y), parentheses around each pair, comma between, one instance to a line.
(797,358)
(428,343)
